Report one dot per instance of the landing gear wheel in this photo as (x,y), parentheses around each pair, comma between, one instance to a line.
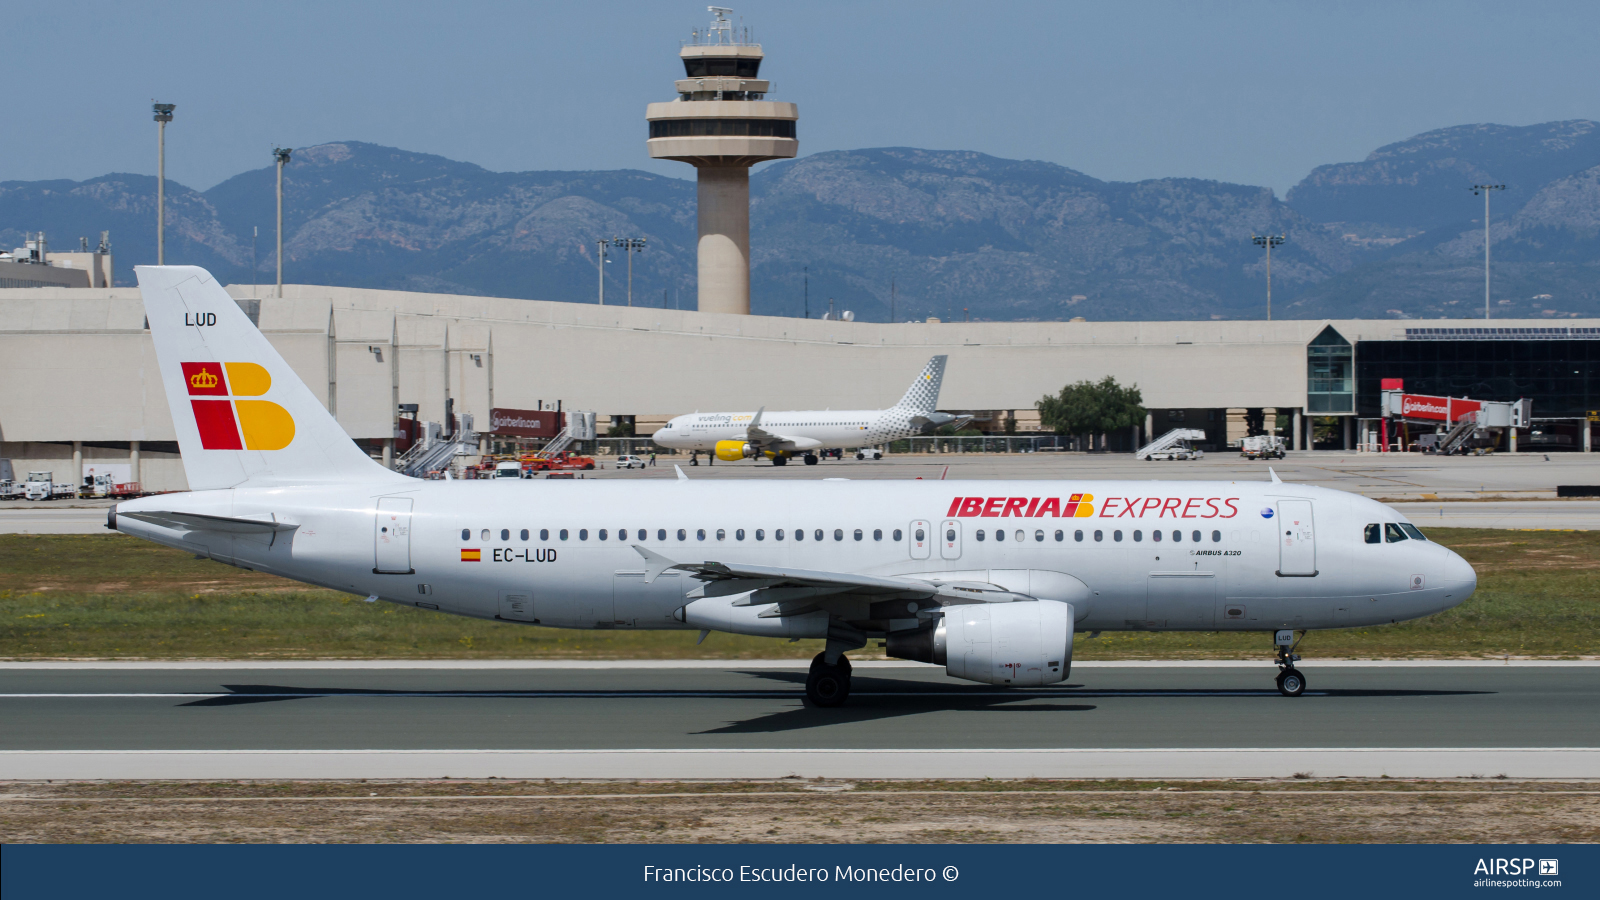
(1291,683)
(811,459)
(828,686)
(780,460)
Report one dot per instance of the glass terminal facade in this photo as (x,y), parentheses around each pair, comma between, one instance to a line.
(1559,372)
(1330,374)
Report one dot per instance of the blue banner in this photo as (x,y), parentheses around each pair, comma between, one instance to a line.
(452,872)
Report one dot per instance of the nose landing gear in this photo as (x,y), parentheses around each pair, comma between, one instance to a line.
(827,685)
(1291,683)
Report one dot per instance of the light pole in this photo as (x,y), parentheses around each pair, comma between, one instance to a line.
(629,246)
(163,115)
(281,154)
(600,262)
(1484,189)
(1268,241)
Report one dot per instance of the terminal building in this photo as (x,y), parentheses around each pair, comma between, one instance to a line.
(81,388)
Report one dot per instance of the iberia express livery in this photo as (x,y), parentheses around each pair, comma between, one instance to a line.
(989,579)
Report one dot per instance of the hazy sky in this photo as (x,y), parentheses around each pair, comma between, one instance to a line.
(1249,92)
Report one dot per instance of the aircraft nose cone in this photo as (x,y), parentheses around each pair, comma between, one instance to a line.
(1459,571)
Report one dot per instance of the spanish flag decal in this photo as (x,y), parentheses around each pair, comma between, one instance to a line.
(471,555)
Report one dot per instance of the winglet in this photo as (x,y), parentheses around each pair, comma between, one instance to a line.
(755,420)
(1275,478)
(681,476)
(655,563)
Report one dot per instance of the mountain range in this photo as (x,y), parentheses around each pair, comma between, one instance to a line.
(904,232)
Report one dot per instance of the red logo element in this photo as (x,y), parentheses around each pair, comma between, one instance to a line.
(218,430)
(204,379)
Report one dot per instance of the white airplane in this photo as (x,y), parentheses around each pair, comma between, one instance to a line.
(741,435)
(988,579)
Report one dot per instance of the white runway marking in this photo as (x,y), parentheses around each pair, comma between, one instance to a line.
(679,764)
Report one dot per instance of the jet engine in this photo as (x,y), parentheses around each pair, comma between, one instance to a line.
(733,451)
(1025,643)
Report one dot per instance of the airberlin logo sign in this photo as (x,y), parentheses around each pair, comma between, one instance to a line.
(227,420)
(1082,506)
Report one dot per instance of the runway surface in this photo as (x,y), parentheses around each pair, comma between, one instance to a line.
(729,720)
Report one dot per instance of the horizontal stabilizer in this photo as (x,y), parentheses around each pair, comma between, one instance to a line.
(198,522)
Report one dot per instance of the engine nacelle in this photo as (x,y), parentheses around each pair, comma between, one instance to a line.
(1025,644)
(733,451)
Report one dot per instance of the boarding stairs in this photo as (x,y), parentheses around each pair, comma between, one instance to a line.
(433,453)
(557,444)
(1459,433)
(1168,441)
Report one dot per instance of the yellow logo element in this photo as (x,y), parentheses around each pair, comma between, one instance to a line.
(264,424)
(247,379)
(1085,507)
(203,380)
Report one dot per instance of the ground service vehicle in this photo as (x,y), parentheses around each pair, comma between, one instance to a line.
(39,486)
(631,462)
(1263,446)
(869,453)
(989,579)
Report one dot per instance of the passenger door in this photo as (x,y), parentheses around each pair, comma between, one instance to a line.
(1297,546)
(950,539)
(391,535)
(919,539)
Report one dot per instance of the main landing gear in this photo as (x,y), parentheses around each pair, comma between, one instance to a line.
(828,685)
(780,459)
(811,459)
(1291,683)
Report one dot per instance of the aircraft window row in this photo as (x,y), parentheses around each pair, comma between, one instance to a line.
(739,534)
(1393,532)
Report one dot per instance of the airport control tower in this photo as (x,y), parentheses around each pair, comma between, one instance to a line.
(722,125)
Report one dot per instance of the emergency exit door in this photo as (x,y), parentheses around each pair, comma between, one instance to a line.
(391,536)
(950,539)
(1297,541)
(919,539)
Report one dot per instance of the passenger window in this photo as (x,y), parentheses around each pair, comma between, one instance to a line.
(999,534)
(1117,535)
(524,534)
(1099,535)
(760,535)
(979,535)
(1039,535)
(1021,535)
(683,535)
(466,534)
(544,534)
(1139,535)
(505,534)
(721,535)
(950,535)
(778,535)
(1154,536)
(877,534)
(485,535)
(1216,537)
(1177,537)
(1373,534)
(1195,537)
(1078,535)
(739,535)
(603,534)
(583,534)
(799,534)
(700,534)
(817,534)
(1392,533)
(858,534)
(563,534)
(838,534)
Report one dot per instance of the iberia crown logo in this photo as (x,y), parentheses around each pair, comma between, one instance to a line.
(230,422)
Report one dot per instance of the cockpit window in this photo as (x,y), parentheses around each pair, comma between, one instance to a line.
(1412,530)
(1393,534)
(1373,533)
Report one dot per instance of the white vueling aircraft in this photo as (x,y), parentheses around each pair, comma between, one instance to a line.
(988,579)
(733,436)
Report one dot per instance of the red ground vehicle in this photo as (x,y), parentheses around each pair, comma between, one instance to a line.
(564,461)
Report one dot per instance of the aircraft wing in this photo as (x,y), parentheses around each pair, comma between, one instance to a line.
(766,440)
(771,584)
(198,522)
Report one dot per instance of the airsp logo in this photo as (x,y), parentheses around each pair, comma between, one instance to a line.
(1266,512)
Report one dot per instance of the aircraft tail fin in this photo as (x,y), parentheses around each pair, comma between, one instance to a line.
(923,395)
(241,414)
